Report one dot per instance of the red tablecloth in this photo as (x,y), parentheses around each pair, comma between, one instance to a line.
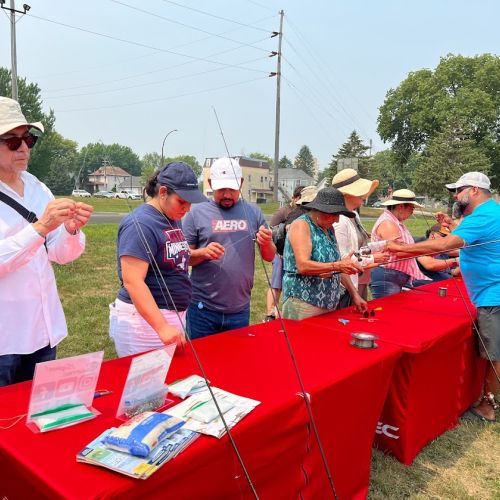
(347,388)
(436,379)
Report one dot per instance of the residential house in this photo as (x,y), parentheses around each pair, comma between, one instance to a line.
(107,177)
(257,179)
(288,180)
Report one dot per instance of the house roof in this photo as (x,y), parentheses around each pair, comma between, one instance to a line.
(293,174)
(111,170)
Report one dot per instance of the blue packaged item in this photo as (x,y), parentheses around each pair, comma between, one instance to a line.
(139,435)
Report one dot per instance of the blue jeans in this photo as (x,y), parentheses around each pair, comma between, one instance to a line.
(20,367)
(388,282)
(202,322)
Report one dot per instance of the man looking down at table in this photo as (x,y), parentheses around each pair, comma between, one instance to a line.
(478,237)
(222,235)
(35,229)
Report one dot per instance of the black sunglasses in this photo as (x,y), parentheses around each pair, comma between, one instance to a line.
(462,188)
(14,143)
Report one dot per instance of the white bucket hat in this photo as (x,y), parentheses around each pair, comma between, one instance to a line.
(401,196)
(12,117)
(348,181)
(473,179)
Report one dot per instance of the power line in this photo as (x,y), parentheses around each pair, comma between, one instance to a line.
(198,40)
(218,17)
(260,5)
(313,54)
(160,98)
(139,85)
(138,44)
(186,25)
(136,75)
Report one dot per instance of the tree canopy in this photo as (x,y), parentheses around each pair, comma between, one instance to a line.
(461,90)
(305,161)
(285,162)
(352,148)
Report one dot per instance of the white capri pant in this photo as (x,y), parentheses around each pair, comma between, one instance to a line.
(132,334)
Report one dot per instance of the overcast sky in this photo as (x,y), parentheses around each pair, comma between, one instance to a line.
(129,71)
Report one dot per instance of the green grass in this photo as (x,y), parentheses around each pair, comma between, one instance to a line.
(462,464)
(115,205)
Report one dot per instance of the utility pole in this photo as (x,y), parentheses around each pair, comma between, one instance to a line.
(277,127)
(13,53)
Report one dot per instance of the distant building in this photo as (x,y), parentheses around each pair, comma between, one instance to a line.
(107,177)
(289,179)
(257,179)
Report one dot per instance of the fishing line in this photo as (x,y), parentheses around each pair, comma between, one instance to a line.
(305,395)
(154,264)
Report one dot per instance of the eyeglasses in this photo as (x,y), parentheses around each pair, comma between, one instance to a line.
(462,188)
(14,143)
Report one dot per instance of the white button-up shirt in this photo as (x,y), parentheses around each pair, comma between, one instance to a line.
(31,315)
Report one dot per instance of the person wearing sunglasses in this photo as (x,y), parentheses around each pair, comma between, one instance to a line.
(35,230)
(478,238)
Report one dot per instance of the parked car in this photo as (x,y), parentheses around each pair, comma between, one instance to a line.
(127,194)
(81,193)
(104,194)
(377,204)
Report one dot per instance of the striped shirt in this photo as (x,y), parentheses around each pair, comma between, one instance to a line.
(408,266)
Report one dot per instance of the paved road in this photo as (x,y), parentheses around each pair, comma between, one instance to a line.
(106,218)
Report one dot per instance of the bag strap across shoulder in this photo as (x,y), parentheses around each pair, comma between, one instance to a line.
(20,209)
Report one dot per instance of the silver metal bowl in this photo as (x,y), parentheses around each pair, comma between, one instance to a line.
(364,340)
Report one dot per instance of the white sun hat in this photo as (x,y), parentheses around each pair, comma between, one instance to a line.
(12,117)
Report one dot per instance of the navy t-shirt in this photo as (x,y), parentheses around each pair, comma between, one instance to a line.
(224,284)
(145,232)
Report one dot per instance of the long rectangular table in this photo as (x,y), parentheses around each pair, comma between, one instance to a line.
(439,375)
(347,388)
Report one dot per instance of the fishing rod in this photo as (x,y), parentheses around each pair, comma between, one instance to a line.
(163,285)
(305,395)
(469,312)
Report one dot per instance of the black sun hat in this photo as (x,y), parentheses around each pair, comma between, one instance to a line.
(330,200)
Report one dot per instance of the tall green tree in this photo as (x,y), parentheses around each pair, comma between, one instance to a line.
(352,148)
(31,104)
(189,159)
(304,161)
(385,167)
(285,162)
(464,89)
(93,155)
(448,155)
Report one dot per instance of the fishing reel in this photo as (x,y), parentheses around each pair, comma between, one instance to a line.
(373,247)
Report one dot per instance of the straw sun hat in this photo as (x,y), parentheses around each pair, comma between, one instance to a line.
(402,196)
(12,117)
(348,181)
(307,195)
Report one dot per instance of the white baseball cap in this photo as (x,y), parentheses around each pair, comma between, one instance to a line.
(475,179)
(225,173)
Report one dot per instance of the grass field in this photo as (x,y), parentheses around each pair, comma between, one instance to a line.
(462,464)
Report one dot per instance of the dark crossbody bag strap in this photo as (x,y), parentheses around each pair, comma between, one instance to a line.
(29,216)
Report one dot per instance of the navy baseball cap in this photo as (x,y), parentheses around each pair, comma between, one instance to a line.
(180,177)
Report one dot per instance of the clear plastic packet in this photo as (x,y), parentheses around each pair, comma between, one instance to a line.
(139,435)
(187,386)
